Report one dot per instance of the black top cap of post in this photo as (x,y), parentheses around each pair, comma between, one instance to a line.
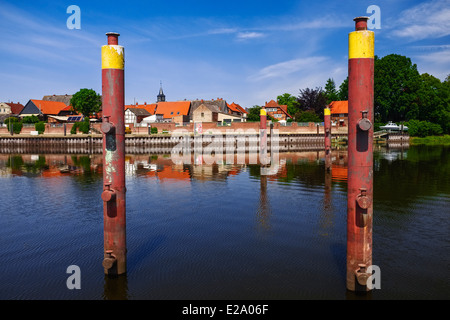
(113,38)
(361,23)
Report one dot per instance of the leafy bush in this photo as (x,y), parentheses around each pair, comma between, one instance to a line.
(74,128)
(15,123)
(154,130)
(306,116)
(82,126)
(30,119)
(418,128)
(40,127)
(85,125)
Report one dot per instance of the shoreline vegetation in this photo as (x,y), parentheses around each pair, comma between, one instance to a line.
(430,140)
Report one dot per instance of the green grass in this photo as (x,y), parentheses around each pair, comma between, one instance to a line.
(430,140)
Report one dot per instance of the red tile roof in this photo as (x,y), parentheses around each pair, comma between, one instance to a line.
(338,107)
(15,107)
(237,108)
(49,107)
(149,107)
(172,109)
(241,109)
(232,107)
(271,103)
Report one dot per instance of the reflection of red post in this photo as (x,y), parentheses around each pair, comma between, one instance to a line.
(113,128)
(327,129)
(360,155)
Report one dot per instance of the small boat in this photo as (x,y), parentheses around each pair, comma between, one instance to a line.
(393,127)
(64,169)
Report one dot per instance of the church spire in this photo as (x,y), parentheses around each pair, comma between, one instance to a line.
(161,97)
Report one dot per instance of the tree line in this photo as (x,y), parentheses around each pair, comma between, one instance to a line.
(401,95)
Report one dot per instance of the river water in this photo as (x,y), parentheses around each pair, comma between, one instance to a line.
(223,231)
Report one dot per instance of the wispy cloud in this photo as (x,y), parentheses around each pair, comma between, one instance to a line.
(249,35)
(436,63)
(287,67)
(430,19)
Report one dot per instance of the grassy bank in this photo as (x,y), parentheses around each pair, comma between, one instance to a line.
(431,140)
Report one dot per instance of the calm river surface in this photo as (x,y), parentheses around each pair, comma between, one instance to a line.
(223,231)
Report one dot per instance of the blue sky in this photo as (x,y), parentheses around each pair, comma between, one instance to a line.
(246,52)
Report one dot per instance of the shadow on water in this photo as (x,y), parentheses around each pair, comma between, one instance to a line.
(339,254)
(142,252)
(116,287)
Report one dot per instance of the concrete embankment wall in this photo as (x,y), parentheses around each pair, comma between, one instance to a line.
(155,143)
(139,144)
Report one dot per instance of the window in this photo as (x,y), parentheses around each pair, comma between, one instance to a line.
(171,113)
(178,112)
(203,114)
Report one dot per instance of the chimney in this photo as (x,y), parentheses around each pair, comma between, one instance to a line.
(145,103)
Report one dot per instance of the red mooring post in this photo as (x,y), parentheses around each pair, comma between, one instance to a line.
(360,155)
(263,137)
(327,129)
(113,128)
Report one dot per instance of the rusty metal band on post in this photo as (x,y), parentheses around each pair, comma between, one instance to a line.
(360,155)
(113,127)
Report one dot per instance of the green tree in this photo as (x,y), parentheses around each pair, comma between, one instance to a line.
(343,90)
(254,114)
(395,89)
(433,102)
(86,102)
(330,91)
(291,102)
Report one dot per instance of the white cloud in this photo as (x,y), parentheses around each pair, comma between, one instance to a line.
(287,67)
(249,35)
(435,63)
(427,20)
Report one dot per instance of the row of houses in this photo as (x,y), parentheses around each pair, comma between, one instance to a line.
(57,109)
(181,112)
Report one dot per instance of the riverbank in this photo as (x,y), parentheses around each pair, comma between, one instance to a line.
(431,140)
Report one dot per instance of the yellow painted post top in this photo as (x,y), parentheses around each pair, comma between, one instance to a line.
(263,112)
(327,112)
(113,57)
(361,44)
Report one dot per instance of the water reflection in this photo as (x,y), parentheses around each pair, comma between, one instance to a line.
(264,211)
(306,168)
(161,166)
(115,287)
(195,229)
